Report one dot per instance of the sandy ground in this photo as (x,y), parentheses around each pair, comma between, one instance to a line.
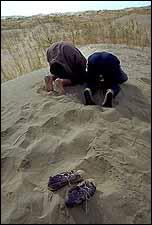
(44,135)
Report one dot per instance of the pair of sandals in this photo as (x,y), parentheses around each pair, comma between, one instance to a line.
(77,194)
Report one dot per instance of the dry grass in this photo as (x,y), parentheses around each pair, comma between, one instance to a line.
(25,40)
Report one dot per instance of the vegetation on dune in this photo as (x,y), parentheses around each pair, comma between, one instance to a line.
(24,40)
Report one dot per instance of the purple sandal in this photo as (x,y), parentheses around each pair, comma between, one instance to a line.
(80,193)
(62,179)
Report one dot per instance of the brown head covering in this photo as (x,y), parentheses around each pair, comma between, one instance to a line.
(70,58)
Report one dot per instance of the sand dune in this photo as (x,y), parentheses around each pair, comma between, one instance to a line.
(44,135)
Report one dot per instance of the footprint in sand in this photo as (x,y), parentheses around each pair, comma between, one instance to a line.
(145,80)
(80,115)
(10,196)
(2,108)
(30,135)
(25,164)
(46,107)
(26,106)
(100,164)
(7,133)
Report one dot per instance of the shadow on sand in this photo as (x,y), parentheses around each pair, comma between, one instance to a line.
(130,102)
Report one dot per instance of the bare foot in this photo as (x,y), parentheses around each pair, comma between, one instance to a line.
(49,93)
(48,83)
(59,86)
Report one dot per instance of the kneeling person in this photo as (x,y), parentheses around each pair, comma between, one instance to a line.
(105,66)
(67,66)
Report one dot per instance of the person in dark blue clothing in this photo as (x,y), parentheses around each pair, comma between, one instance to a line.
(103,70)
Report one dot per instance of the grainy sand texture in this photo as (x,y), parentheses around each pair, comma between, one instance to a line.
(44,135)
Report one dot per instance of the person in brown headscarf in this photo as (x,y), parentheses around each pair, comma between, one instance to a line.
(67,66)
